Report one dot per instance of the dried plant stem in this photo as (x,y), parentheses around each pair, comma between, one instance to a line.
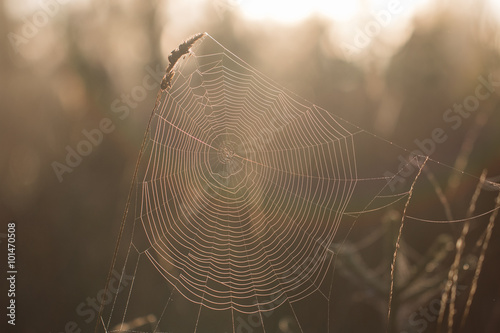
(479,266)
(466,149)
(451,283)
(439,192)
(398,240)
(125,213)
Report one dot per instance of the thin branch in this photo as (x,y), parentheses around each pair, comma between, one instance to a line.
(479,266)
(451,283)
(440,194)
(393,264)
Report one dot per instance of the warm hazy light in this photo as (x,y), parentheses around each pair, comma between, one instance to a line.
(291,11)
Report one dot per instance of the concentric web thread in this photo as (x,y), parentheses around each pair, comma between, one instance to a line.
(228,200)
(241,190)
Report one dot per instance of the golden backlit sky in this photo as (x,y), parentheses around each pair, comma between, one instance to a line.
(184,18)
(279,10)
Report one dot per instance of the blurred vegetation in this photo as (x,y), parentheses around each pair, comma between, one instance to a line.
(65,77)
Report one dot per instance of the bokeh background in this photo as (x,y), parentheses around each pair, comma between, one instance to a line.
(65,64)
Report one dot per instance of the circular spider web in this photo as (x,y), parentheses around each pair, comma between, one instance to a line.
(242,180)
(240,194)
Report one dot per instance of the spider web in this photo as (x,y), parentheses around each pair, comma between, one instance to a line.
(240,194)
